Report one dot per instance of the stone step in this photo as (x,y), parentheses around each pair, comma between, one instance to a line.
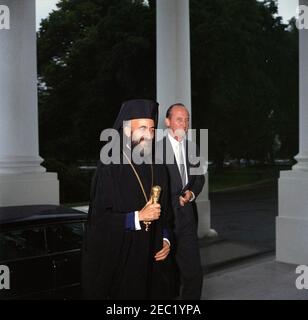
(221,253)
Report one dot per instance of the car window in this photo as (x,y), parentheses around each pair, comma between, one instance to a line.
(22,243)
(64,237)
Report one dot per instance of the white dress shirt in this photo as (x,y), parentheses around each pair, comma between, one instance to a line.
(179,146)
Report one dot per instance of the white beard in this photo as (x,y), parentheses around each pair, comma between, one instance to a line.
(141,151)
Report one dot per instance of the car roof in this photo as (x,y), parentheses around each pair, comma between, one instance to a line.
(35,214)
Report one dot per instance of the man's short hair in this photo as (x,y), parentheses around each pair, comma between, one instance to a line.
(168,113)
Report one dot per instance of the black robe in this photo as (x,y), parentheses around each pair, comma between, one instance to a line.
(117,263)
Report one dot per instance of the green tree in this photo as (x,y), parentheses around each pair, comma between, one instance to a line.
(244,71)
(92,55)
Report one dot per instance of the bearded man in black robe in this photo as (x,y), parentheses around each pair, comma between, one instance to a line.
(126,251)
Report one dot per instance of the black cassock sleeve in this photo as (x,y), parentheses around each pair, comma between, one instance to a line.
(103,237)
(165,283)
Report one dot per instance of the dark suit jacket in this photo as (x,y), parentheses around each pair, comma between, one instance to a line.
(195,182)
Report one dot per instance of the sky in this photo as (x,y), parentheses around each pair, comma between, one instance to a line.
(43,8)
(287,9)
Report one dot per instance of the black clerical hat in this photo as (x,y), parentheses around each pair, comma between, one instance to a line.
(137,109)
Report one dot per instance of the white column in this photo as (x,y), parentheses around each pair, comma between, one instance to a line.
(174,78)
(173,55)
(23,180)
(292,222)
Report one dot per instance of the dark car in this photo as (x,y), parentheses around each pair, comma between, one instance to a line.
(41,245)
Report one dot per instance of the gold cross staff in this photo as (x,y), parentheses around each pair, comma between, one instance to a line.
(155,194)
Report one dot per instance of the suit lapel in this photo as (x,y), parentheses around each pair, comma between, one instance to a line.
(187,161)
(191,178)
(173,168)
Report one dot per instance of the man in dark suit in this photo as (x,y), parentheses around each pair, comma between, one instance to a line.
(185,188)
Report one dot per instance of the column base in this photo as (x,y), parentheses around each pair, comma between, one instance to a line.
(292,240)
(292,222)
(29,189)
(302,163)
(204,220)
(20,164)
